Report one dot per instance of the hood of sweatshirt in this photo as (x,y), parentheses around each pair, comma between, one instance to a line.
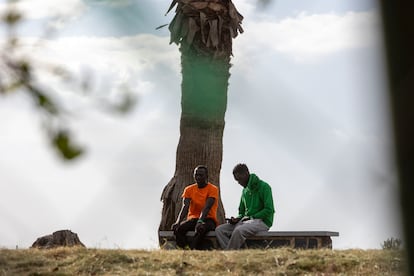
(253,182)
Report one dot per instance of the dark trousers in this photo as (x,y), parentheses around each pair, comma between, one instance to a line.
(189,225)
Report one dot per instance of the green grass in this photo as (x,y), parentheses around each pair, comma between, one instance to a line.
(284,261)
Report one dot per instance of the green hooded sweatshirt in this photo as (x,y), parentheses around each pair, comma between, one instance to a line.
(257,201)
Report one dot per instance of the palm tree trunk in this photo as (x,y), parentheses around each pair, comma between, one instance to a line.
(204,33)
(203,105)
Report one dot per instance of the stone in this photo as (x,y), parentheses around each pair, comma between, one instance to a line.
(65,238)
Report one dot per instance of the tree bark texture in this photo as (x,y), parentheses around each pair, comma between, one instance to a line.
(203,104)
(57,239)
(204,30)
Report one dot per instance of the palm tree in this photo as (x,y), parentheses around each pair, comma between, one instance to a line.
(204,30)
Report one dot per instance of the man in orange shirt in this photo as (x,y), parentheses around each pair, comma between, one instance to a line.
(199,210)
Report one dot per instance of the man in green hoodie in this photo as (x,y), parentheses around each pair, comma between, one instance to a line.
(256,210)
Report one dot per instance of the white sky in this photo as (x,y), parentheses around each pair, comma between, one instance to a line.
(306,112)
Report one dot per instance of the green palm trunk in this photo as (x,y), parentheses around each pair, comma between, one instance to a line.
(204,31)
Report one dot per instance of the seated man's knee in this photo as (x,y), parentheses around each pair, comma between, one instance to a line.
(219,228)
(237,231)
(240,231)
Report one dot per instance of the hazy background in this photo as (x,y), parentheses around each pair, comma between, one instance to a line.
(307,112)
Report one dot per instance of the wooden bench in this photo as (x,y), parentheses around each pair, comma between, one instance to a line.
(265,240)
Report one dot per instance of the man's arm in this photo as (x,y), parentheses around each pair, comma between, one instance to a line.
(183,213)
(200,227)
(268,208)
(242,208)
(209,203)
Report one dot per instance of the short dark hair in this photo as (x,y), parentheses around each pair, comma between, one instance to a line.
(201,167)
(240,168)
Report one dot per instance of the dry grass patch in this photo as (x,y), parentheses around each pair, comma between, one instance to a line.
(284,261)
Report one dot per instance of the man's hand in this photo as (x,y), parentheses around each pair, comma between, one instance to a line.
(234,220)
(200,227)
(245,218)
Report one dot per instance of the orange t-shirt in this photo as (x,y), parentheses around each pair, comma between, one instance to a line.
(198,200)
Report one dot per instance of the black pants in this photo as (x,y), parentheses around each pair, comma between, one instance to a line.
(189,225)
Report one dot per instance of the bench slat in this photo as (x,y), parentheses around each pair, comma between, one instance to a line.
(266,239)
(266,234)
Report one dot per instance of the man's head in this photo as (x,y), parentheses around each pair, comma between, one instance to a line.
(241,174)
(201,175)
